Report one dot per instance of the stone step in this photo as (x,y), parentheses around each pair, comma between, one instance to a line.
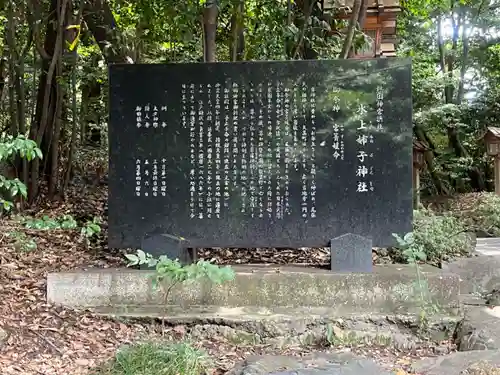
(488,246)
(478,274)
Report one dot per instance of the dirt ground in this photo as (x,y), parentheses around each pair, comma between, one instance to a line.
(50,340)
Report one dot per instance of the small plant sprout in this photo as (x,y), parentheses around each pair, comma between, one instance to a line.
(171,273)
(91,229)
(414,252)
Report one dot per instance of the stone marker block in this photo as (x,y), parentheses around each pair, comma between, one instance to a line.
(158,243)
(351,253)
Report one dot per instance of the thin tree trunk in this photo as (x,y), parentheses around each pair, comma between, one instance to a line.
(237,40)
(210,14)
(361,24)
(21,101)
(54,169)
(84,110)
(464,63)
(4,62)
(35,19)
(42,130)
(289,12)
(422,136)
(13,60)
(74,109)
(450,58)
(440,43)
(32,105)
(475,175)
(308,6)
(362,14)
(351,30)
(101,22)
(233,40)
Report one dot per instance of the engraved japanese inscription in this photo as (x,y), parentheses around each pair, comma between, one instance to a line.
(260,153)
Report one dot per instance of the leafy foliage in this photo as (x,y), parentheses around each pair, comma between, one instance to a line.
(483,217)
(91,228)
(411,250)
(47,223)
(169,273)
(11,147)
(22,242)
(435,238)
(25,241)
(454,46)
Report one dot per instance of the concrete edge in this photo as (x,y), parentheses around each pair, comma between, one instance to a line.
(238,315)
(390,289)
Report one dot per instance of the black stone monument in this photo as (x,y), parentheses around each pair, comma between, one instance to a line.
(261,154)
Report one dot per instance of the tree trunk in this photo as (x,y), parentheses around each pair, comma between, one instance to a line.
(11,43)
(464,64)
(54,151)
(42,129)
(446,63)
(84,110)
(101,22)
(237,40)
(210,14)
(3,73)
(361,23)
(362,14)
(74,106)
(440,43)
(90,116)
(475,174)
(351,30)
(450,58)
(307,9)
(422,136)
(21,101)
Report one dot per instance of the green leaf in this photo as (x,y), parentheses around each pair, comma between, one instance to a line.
(7,206)
(23,190)
(95,228)
(408,238)
(142,256)
(133,259)
(14,190)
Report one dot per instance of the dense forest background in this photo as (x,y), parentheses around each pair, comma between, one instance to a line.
(55,53)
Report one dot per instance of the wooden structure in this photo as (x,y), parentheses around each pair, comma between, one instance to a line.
(380,26)
(419,150)
(492,140)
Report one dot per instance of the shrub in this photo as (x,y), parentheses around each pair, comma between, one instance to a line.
(437,237)
(157,359)
(11,147)
(484,217)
